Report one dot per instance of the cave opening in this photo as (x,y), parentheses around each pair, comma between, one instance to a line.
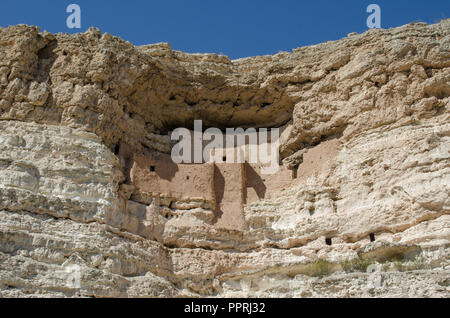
(117,149)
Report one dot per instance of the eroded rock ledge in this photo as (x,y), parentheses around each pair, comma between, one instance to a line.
(367,131)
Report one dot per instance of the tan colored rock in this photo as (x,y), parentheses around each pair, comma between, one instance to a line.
(367,136)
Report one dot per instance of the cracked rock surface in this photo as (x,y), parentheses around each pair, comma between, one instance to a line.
(367,125)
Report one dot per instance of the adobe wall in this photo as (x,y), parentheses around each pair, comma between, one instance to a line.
(181,182)
(222,184)
(317,160)
(229,186)
(264,186)
(204,143)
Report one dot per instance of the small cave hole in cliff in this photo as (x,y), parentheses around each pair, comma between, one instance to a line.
(372,237)
(152,169)
(328,241)
(294,174)
(117,149)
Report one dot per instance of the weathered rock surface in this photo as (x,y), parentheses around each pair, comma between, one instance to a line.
(368,127)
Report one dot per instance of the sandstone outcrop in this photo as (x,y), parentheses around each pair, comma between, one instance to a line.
(366,124)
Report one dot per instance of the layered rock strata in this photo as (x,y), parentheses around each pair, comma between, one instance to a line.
(367,132)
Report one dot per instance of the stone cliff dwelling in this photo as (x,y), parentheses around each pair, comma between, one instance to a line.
(87,177)
(226,186)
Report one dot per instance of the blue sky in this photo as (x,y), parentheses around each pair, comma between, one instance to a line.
(237,28)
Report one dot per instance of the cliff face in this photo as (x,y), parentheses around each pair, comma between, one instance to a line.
(367,129)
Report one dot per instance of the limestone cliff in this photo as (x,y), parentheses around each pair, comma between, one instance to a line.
(366,129)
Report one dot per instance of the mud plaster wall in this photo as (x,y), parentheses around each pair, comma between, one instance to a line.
(263,186)
(216,156)
(229,185)
(181,182)
(317,160)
